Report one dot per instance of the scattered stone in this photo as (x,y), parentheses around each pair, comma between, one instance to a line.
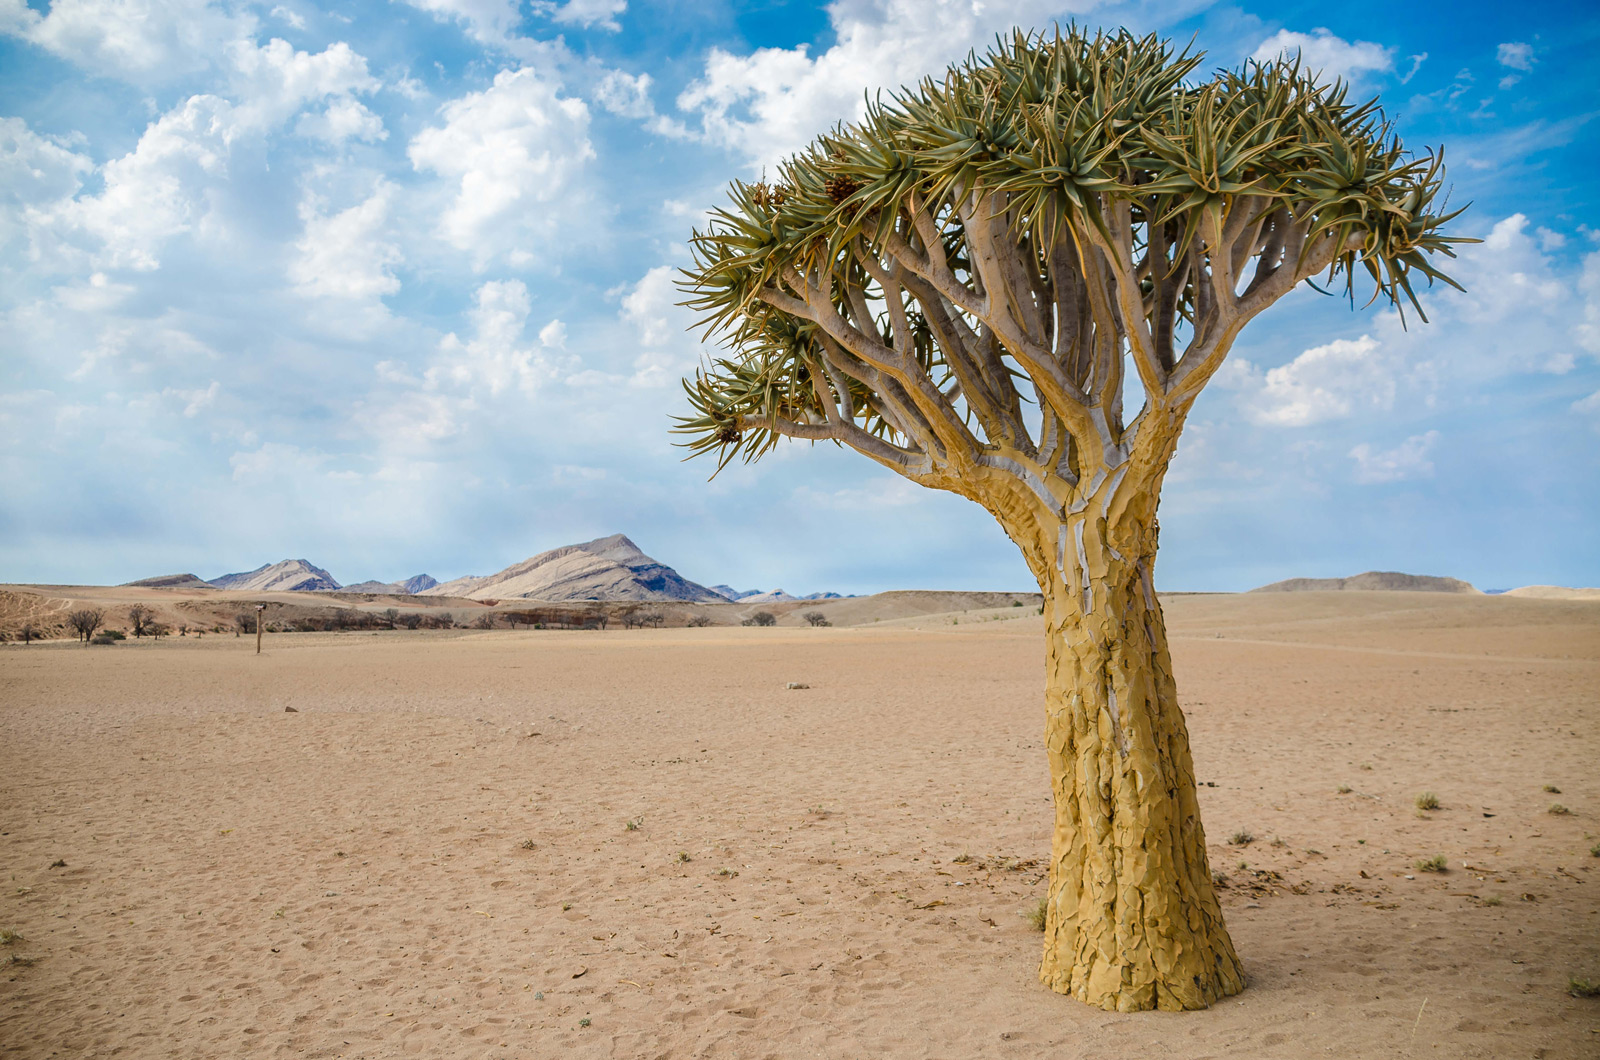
(796,684)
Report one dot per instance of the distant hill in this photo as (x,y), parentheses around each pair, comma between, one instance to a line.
(607,568)
(1554,592)
(410,587)
(292,575)
(1372,580)
(170,581)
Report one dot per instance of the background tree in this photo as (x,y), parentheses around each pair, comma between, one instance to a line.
(139,618)
(28,632)
(390,615)
(761,618)
(816,618)
(972,286)
(85,621)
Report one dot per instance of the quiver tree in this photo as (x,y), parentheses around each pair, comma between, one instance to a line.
(973,286)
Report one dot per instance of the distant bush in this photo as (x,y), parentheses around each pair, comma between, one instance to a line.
(104,638)
(700,620)
(816,618)
(411,620)
(761,618)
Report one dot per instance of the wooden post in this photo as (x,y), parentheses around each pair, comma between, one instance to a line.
(259,608)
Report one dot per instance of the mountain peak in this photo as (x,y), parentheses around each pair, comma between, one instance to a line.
(607,568)
(617,548)
(289,575)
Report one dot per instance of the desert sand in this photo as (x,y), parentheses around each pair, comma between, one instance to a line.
(457,843)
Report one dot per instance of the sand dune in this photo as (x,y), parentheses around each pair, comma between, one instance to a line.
(430,856)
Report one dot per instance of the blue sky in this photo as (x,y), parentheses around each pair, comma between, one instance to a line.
(388,286)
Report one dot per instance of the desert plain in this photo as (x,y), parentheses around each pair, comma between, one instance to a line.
(645,843)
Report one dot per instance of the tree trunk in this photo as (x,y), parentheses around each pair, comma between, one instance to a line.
(1132,919)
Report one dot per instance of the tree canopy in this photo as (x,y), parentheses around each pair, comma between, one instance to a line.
(964,275)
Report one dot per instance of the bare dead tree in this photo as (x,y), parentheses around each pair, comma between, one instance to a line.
(85,621)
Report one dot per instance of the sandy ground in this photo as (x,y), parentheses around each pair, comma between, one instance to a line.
(432,855)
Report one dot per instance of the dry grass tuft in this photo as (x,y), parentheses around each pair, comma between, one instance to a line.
(1558,810)
(1437,863)
(1427,801)
(7,937)
(1241,838)
(1039,914)
(1583,987)
(1343,789)
(1552,789)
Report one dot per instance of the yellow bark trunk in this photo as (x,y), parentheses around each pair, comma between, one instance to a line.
(1132,919)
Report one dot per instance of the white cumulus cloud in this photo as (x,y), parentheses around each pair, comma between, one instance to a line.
(1515,55)
(138,40)
(1408,460)
(514,153)
(1329,55)
(770,103)
(1323,383)
(585,13)
(345,254)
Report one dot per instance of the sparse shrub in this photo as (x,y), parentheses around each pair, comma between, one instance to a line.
(816,618)
(527,844)
(1437,863)
(1039,915)
(700,620)
(1427,801)
(1016,603)
(1493,899)
(1343,789)
(1552,789)
(7,937)
(584,1022)
(1594,851)
(1558,810)
(683,857)
(761,618)
(1241,838)
(633,823)
(962,858)
(104,638)
(1583,987)
(726,873)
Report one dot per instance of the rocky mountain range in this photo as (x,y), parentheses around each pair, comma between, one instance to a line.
(607,568)
(413,585)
